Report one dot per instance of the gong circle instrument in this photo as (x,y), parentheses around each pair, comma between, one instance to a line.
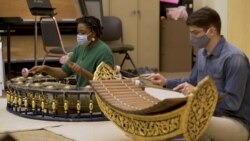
(46,98)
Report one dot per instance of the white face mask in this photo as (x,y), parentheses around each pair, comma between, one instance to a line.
(82,39)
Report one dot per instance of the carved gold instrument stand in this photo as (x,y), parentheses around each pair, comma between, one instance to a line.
(143,117)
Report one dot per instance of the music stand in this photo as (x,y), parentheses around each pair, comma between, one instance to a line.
(39,8)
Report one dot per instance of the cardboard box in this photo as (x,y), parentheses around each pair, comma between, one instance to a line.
(175,49)
(176,60)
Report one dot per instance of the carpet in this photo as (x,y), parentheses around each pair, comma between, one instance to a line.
(12,123)
(34,135)
(90,131)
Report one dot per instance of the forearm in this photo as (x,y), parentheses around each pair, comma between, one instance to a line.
(192,79)
(86,74)
(175,82)
(55,72)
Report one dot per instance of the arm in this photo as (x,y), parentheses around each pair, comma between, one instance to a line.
(78,70)
(160,80)
(53,71)
(236,72)
(191,80)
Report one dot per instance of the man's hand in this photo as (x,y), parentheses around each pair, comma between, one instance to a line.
(184,88)
(157,79)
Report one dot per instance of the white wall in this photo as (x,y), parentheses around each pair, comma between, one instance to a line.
(220,6)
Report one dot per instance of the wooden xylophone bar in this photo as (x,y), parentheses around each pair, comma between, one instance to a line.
(123,94)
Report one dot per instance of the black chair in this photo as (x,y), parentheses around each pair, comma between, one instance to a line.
(112,31)
(52,40)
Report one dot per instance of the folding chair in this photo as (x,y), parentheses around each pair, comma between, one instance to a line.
(112,32)
(52,40)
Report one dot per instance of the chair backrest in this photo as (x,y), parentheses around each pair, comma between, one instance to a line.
(83,7)
(94,8)
(112,29)
(50,32)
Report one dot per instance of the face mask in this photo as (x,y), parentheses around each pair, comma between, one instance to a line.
(82,39)
(199,42)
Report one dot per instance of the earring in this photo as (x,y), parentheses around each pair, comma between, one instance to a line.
(93,39)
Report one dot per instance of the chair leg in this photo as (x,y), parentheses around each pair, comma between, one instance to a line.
(127,56)
(44,60)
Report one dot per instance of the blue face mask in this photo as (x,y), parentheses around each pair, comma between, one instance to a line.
(82,39)
(199,42)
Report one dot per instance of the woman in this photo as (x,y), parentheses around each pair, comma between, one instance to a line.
(87,55)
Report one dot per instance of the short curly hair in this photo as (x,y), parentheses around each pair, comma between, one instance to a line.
(93,23)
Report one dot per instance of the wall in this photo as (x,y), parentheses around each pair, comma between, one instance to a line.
(22,47)
(66,9)
(239,24)
(235,20)
(220,6)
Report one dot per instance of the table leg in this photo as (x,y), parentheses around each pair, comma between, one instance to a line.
(8,53)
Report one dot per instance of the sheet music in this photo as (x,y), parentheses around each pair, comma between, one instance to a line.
(163,94)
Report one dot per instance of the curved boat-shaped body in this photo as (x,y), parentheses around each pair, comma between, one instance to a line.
(189,116)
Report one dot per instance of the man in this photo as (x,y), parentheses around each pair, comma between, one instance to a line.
(228,67)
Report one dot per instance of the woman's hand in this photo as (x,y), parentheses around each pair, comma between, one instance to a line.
(37,69)
(157,79)
(184,88)
(79,70)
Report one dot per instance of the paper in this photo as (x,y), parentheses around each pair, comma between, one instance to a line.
(163,94)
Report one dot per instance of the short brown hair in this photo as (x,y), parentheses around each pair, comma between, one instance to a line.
(205,18)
